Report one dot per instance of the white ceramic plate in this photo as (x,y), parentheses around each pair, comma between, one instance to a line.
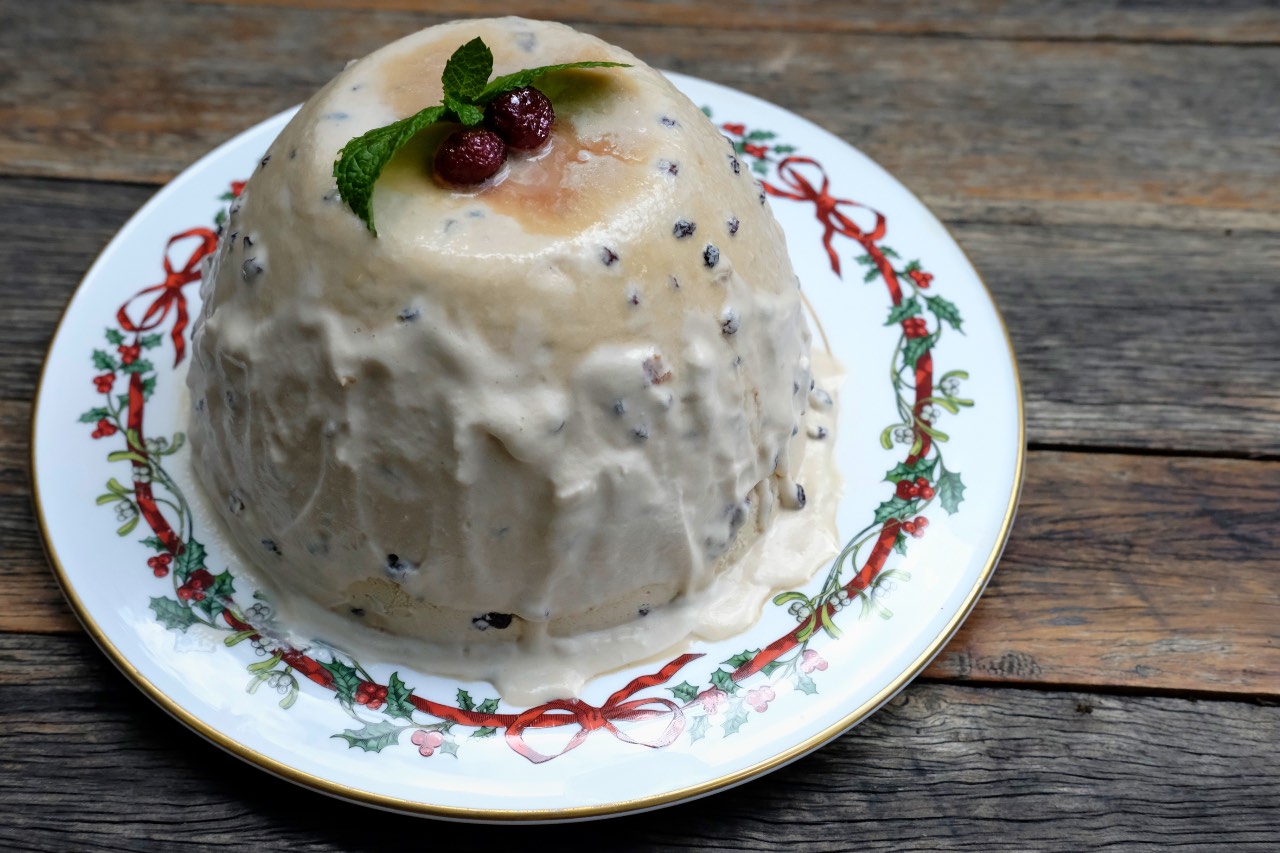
(901,307)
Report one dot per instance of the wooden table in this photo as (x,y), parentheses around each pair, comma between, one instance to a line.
(1113,170)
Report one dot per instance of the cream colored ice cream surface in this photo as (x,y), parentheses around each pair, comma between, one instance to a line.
(531,432)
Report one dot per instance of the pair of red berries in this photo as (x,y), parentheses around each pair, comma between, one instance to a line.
(915,327)
(520,119)
(197,582)
(919,489)
(915,527)
(370,695)
(159,564)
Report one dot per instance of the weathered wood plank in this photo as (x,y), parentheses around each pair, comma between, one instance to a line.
(989,123)
(92,765)
(1135,571)
(1237,22)
(54,231)
(1139,337)
(1127,337)
(29,597)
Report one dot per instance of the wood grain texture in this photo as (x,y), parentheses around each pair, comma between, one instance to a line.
(970,124)
(91,765)
(1240,22)
(1133,571)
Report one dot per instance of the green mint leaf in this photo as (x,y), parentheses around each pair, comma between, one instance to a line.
(361,160)
(945,310)
(172,614)
(950,491)
(908,308)
(915,348)
(398,704)
(520,79)
(741,657)
(372,737)
(345,680)
(468,114)
(684,691)
(467,71)
(895,507)
(465,701)
(191,558)
(698,728)
(115,337)
(93,416)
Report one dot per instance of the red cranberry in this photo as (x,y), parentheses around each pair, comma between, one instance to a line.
(470,156)
(522,117)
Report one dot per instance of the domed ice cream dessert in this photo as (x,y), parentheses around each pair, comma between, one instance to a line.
(536,428)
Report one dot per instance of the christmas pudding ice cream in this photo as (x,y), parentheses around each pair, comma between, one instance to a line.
(533,390)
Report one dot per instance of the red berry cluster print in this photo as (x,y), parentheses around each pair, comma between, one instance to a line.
(197,596)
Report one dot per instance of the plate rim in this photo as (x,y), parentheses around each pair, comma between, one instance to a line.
(359,796)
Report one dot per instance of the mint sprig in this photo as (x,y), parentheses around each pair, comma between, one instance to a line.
(467,89)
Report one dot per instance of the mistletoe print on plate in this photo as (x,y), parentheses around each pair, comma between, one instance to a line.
(930,450)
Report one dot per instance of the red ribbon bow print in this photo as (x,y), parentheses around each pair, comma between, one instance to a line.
(170,291)
(799,188)
(619,707)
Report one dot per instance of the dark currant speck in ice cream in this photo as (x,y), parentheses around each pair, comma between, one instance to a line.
(801,498)
(668,121)
(710,256)
(818,433)
(271,546)
(492,620)
(409,314)
(251,269)
(357,612)
(683,228)
(733,225)
(735,165)
(608,256)
(671,167)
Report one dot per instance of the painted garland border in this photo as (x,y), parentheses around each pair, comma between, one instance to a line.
(203,598)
